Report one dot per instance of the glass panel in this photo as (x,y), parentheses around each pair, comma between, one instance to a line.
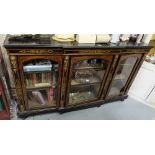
(87,76)
(41,98)
(41,77)
(80,94)
(2,108)
(123,72)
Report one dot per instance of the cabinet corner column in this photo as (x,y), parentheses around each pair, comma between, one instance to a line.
(16,76)
(64,81)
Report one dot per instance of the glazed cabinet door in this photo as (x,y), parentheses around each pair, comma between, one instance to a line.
(123,74)
(87,77)
(41,81)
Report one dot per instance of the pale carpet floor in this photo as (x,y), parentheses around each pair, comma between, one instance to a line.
(129,109)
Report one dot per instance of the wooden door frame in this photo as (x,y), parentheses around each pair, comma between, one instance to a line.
(135,72)
(25,58)
(122,57)
(76,58)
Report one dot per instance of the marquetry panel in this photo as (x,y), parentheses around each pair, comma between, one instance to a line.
(64,80)
(16,76)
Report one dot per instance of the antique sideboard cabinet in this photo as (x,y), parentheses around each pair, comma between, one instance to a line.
(53,76)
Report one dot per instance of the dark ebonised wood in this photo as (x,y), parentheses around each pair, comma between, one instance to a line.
(67,54)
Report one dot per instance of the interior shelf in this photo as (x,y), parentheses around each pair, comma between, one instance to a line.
(35,72)
(125,64)
(36,68)
(88,84)
(120,77)
(83,68)
(93,81)
(75,98)
(33,104)
(50,86)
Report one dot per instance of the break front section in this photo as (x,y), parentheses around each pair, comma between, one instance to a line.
(123,74)
(87,76)
(41,81)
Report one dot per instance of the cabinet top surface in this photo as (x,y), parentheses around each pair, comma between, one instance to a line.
(40,43)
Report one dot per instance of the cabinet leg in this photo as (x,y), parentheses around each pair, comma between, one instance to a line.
(61,112)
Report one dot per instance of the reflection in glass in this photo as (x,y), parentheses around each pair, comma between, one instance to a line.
(87,76)
(41,77)
(123,72)
(41,98)
(88,71)
(80,94)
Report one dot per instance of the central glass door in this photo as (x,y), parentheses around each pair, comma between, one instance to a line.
(87,75)
(41,82)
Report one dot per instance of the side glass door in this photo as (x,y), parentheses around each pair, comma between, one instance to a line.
(87,75)
(122,74)
(41,79)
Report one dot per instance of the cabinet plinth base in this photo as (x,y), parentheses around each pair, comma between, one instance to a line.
(26,114)
(118,98)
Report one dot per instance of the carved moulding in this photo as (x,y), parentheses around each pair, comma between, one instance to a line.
(14,66)
(20,99)
(64,80)
(95,51)
(38,51)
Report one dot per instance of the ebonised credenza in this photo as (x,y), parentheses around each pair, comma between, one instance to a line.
(52,76)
